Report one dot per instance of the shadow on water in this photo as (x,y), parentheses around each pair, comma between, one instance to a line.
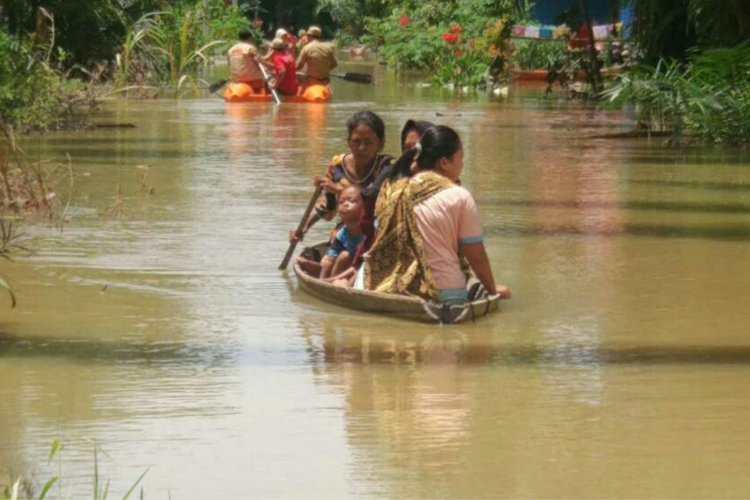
(102,351)
(454,346)
(724,208)
(734,232)
(717,186)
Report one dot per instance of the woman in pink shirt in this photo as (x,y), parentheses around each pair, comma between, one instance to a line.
(426,223)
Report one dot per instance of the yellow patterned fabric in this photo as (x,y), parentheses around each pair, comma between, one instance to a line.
(396,262)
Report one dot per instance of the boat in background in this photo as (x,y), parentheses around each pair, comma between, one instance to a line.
(242,92)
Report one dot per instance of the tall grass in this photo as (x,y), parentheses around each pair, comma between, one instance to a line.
(170,47)
(710,94)
(23,488)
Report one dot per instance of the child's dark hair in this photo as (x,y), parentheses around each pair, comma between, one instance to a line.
(368,119)
(436,142)
(356,187)
(245,34)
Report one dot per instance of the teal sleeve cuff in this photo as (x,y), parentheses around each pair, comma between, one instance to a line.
(471,239)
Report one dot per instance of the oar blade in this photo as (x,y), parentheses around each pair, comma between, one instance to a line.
(216,86)
(357,77)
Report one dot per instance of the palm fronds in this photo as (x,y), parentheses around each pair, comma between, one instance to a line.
(710,94)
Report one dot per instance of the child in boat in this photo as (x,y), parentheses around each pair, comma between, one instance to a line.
(345,243)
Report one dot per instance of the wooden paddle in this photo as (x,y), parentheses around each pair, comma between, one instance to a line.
(293,244)
(354,77)
(268,84)
(217,85)
(349,77)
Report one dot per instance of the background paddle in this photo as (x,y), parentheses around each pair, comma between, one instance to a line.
(349,77)
(217,85)
(268,84)
(293,244)
(354,77)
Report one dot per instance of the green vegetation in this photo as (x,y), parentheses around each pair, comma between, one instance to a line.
(709,94)
(671,29)
(461,43)
(24,488)
(34,94)
(171,46)
(530,54)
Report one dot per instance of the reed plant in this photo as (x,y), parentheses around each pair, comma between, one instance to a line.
(709,94)
(169,48)
(22,488)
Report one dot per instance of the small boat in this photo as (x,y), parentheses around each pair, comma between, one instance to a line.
(242,92)
(400,306)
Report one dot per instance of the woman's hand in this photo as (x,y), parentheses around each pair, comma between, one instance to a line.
(326,183)
(295,237)
(502,291)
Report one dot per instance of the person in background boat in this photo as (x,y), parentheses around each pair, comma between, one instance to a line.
(361,165)
(317,59)
(280,33)
(285,81)
(291,43)
(243,62)
(302,40)
(426,223)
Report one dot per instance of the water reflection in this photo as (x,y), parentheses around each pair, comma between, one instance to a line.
(624,349)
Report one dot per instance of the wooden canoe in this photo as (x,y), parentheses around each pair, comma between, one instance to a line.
(411,308)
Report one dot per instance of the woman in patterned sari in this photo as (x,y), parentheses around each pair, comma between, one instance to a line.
(426,224)
(361,165)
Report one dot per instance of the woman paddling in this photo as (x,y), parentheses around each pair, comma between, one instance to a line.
(426,223)
(361,165)
(410,134)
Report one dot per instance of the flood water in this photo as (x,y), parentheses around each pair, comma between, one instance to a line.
(157,323)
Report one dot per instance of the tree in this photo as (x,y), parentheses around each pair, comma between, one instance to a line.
(669,28)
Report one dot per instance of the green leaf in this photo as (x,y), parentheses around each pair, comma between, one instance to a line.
(4,284)
(134,485)
(47,486)
(53,450)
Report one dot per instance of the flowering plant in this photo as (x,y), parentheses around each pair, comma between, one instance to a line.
(450,37)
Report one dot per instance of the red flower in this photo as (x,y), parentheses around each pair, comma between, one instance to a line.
(457,53)
(456,28)
(450,37)
(404,21)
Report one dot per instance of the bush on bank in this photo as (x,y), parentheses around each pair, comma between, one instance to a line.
(34,94)
(462,43)
(709,94)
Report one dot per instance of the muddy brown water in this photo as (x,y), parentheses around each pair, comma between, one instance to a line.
(618,369)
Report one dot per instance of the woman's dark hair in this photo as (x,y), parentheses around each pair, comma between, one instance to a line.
(368,119)
(436,142)
(418,126)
